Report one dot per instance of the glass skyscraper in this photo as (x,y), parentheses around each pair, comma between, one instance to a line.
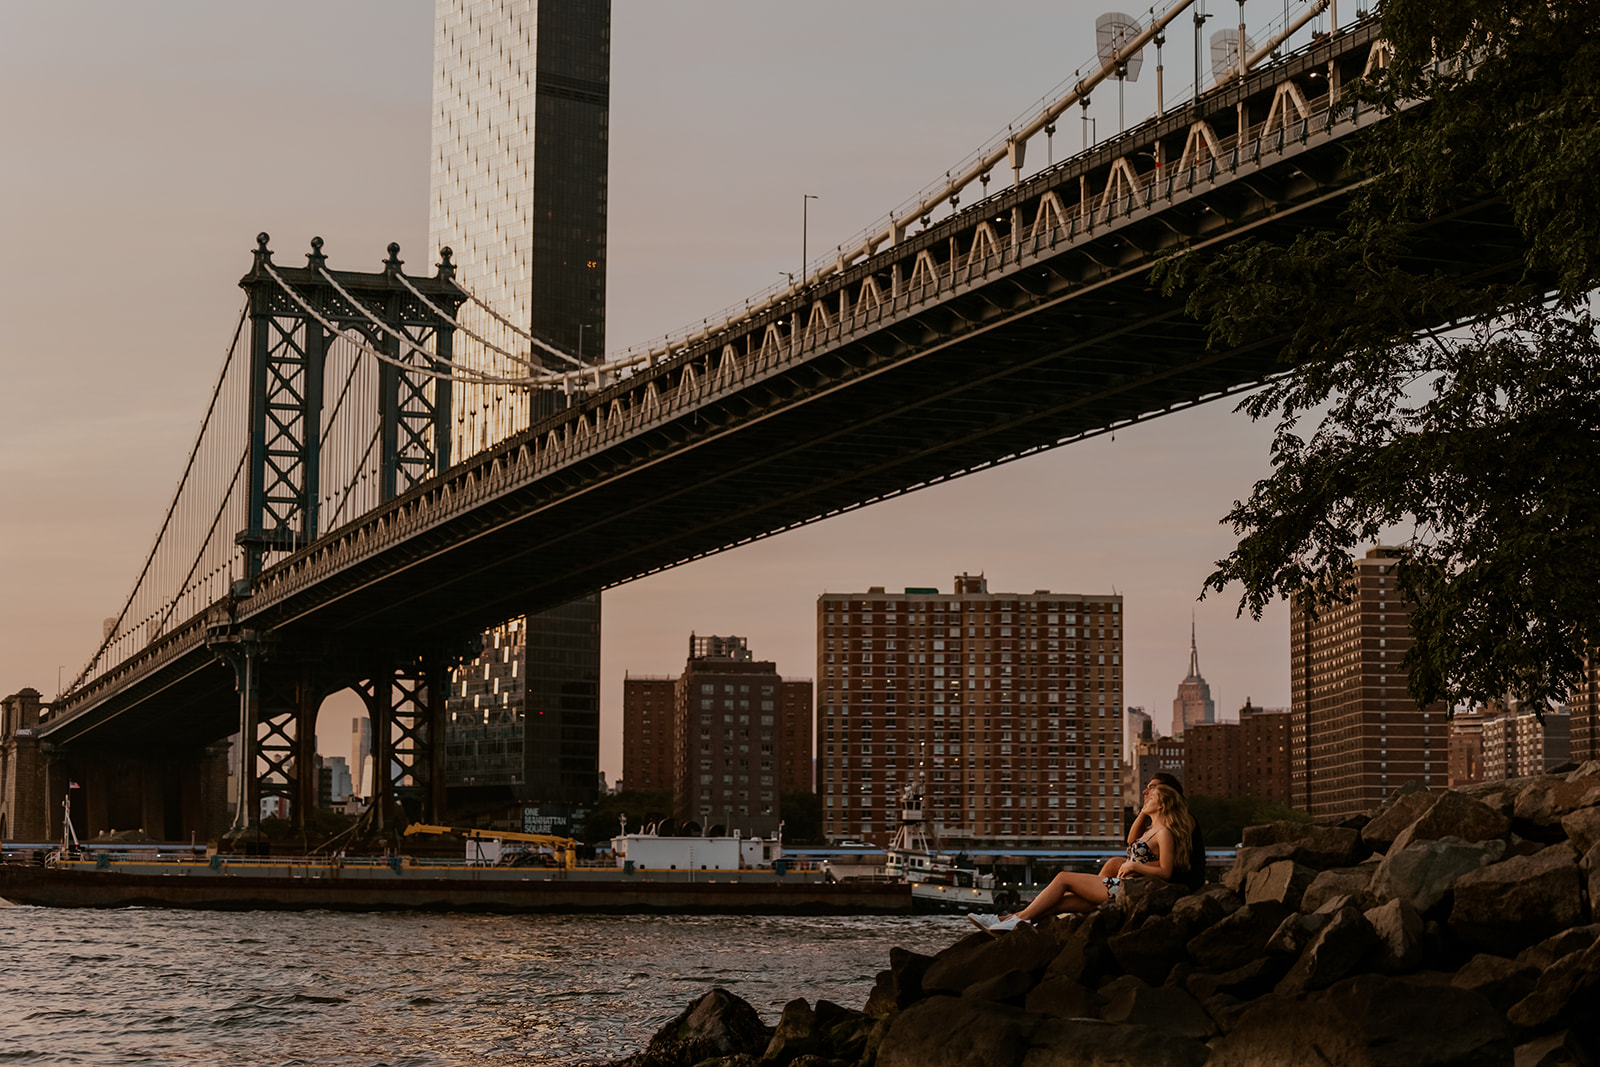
(518,193)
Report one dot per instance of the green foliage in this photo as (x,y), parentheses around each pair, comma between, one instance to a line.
(1460,412)
(801,811)
(642,807)
(1223,819)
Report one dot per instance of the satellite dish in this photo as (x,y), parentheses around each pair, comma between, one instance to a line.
(1113,31)
(1225,52)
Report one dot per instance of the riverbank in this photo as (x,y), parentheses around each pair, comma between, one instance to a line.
(1452,927)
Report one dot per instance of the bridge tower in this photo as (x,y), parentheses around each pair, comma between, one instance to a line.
(296,313)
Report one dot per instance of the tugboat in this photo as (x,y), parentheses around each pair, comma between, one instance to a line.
(939,881)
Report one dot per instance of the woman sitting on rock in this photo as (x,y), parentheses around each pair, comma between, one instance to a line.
(1160,852)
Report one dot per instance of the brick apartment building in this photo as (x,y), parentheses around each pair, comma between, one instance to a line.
(1007,707)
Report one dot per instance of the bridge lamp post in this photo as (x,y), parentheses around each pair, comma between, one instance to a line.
(805,232)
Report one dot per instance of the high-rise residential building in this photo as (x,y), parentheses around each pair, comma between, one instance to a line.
(649,722)
(1356,733)
(1212,758)
(741,737)
(518,193)
(1193,704)
(1584,707)
(1006,707)
(1517,742)
(1466,746)
(1156,753)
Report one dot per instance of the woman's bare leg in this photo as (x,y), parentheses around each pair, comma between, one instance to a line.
(1067,891)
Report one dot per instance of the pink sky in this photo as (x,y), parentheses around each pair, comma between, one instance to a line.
(148,144)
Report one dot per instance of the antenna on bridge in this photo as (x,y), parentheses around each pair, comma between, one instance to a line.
(1113,32)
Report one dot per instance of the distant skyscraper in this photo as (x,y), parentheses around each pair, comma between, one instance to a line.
(1009,706)
(1356,733)
(518,193)
(360,751)
(1194,704)
(1517,743)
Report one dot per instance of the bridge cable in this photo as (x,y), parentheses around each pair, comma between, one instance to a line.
(485,342)
(172,508)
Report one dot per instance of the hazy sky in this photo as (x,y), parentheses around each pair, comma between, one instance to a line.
(147,144)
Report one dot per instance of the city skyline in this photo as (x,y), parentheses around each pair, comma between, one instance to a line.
(144,190)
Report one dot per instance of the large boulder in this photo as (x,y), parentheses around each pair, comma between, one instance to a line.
(1500,981)
(1254,979)
(717,1024)
(1062,997)
(901,985)
(1082,955)
(957,1032)
(1012,987)
(1399,929)
(980,957)
(1284,882)
(1332,954)
(1543,801)
(1423,873)
(1353,882)
(1582,828)
(1456,816)
(796,1034)
(1565,997)
(1319,848)
(1151,950)
(1505,906)
(1162,1007)
(1237,939)
(1368,1021)
(1380,833)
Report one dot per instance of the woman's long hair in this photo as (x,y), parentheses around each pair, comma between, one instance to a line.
(1174,811)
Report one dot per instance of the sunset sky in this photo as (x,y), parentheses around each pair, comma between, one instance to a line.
(147,144)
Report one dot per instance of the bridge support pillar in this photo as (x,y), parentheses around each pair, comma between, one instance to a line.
(406,703)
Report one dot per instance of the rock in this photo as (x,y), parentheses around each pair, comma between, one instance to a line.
(1560,1049)
(845,1033)
(1091,1043)
(796,1034)
(1164,1008)
(1321,848)
(717,1024)
(1582,828)
(1237,939)
(945,1031)
(1230,901)
(1283,882)
(1009,988)
(1083,955)
(1423,873)
(1199,910)
(1502,907)
(1295,933)
(1061,997)
(981,957)
(1545,953)
(1371,1021)
(1254,979)
(1564,998)
(1332,954)
(1501,981)
(901,985)
(1154,897)
(1457,816)
(1353,882)
(1400,931)
(1151,951)
(1545,800)
(1380,833)
(1590,866)
(1586,769)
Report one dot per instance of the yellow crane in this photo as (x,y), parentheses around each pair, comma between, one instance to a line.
(564,845)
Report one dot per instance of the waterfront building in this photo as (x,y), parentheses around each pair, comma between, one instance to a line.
(1212,751)
(1005,708)
(1193,704)
(1517,742)
(1466,747)
(741,737)
(1356,734)
(1250,757)
(518,193)
(649,718)
(1584,707)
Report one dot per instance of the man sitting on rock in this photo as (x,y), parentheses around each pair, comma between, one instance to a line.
(1154,852)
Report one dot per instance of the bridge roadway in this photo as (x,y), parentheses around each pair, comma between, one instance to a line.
(1021,323)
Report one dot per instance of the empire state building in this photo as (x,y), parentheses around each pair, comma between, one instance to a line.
(1194,704)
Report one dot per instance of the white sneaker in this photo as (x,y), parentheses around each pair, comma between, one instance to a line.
(982,922)
(1002,926)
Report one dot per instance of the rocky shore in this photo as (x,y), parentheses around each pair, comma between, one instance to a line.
(1447,927)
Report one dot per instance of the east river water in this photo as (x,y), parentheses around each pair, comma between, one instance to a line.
(405,990)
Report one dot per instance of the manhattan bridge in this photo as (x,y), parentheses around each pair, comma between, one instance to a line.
(324,537)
